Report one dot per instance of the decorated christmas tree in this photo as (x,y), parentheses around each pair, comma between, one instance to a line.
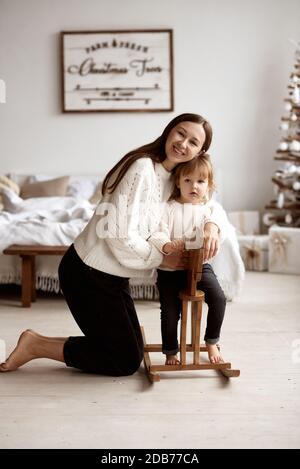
(284,210)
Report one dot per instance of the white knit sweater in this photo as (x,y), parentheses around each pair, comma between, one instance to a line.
(115,239)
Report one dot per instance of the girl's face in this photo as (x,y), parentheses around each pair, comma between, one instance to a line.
(183,143)
(193,188)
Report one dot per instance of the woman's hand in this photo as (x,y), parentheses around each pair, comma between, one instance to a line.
(211,241)
(173,246)
(176,261)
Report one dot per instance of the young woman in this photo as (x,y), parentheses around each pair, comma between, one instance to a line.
(94,273)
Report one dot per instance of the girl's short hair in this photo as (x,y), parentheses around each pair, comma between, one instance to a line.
(202,165)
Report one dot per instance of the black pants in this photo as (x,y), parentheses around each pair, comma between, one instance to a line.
(169,285)
(104,310)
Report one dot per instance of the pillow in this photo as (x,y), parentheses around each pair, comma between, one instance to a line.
(15,204)
(41,177)
(82,186)
(7,183)
(53,188)
(11,201)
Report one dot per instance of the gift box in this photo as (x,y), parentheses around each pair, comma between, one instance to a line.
(254,251)
(284,250)
(245,222)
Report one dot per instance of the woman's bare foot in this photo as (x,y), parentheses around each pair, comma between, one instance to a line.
(32,345)
(172,360)
(23,353)
(213,353)
(61,339)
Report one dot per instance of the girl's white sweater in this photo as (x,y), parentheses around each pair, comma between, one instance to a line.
(183,221)
(115,240)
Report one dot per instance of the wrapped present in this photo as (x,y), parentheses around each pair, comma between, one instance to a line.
(245,222)
(284,250)
(254,251)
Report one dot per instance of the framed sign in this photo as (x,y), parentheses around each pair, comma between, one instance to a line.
(110,71)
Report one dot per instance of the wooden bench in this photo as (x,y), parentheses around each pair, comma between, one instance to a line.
(27,254)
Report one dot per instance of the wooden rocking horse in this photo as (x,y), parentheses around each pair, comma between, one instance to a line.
(196,298)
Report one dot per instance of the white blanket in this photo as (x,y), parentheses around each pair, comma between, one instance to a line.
(228,265)
(44,220)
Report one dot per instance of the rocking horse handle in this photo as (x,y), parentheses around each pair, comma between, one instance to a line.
(195,269)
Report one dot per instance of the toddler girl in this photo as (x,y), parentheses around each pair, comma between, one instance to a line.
(181,227)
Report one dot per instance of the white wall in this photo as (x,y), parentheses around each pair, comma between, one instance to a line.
(232,64)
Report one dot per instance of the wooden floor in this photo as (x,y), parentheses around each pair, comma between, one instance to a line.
(46,405)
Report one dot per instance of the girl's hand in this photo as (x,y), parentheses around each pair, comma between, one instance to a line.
(211,241)
(174,246)
(176,261)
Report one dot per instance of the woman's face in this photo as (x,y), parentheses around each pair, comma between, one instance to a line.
(183,143)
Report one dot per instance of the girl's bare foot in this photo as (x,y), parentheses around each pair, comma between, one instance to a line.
(213,353)
(172,360)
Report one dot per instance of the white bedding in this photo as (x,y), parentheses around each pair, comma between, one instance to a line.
(43,220)
(58,220)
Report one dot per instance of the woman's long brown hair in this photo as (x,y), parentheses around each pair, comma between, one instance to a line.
(154,150)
